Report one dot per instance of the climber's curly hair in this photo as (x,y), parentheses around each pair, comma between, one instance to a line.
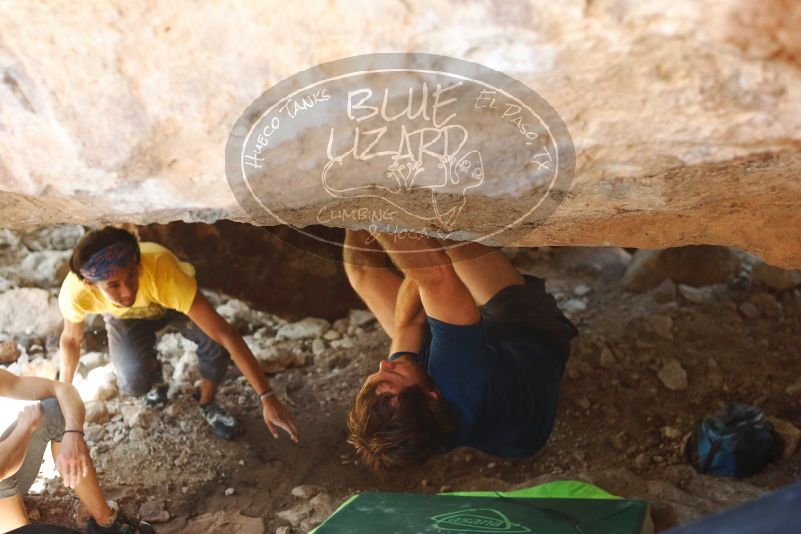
(390,431)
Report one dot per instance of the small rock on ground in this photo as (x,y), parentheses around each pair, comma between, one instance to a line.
(749,310)
(8,352)
(310,327)
(573,306)
(96,412)
(664,292)
(608,359)
(581,290)
(154,512)
(662,325)
(360,317)
(306,491)
(673,376)
(789,436)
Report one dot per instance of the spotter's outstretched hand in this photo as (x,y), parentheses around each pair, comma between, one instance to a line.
(277,416)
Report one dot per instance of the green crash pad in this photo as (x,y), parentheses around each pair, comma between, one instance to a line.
(588,511)
(558,489)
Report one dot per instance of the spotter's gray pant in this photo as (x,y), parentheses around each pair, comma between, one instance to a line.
(132,348)
(51,429)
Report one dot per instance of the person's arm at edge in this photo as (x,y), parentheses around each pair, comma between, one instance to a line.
(70,349)
(203,314)
(73,459)
(409,319)
(442,293)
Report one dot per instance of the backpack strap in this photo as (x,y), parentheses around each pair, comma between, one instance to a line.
(713,450)
(691,452)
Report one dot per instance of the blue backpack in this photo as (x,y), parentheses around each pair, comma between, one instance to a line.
(737,441)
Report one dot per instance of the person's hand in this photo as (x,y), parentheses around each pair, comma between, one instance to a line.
(31,417)
(276,415)
(73,460)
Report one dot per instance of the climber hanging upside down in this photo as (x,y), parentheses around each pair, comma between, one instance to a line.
(476,356)
(141,288)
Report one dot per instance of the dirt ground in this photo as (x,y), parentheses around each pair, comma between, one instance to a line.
(618,425)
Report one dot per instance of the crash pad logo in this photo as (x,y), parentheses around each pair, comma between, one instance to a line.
(477,520)
(391,142)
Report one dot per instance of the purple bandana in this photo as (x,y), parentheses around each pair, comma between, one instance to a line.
(104,263)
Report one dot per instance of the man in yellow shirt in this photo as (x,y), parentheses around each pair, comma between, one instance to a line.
(141,288)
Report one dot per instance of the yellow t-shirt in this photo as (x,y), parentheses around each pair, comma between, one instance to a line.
(164,282)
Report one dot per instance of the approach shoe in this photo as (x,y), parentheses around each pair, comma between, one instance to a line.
(219,419)
(157,395)
(122,525)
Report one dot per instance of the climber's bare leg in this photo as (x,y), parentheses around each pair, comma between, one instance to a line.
(367,267)
(12,513)
(88,492)
(484,270)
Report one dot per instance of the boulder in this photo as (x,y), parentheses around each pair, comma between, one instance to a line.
(310,327)
(793,390)
(664,292)
(766,303)
(153,511)
(689,134)
(695,295)
(775,277)
(56,237)
(343,343)
(9,352)
(309,513)
(6,284)
(47,268)
(581,290)
(93,360)
(94,433)
(789,436)
(137,415)
(306,491)
(100,384)
(574,306)
(749,309)
(693,265)
(243,317)
(318,347)
(29,311)
(276,359)
(97,412)
(662,325)
(173,346)
(360,317)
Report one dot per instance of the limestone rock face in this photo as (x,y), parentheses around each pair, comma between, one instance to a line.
(685,114)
